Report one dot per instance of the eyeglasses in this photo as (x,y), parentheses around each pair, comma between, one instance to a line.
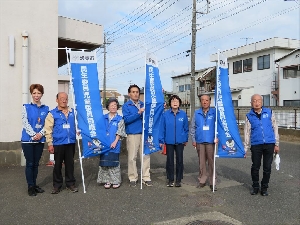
(256,100)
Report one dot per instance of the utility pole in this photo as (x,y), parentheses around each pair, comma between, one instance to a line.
(104,70)
(193,55)
(193,59)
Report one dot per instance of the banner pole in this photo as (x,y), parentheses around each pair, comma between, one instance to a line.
(143,131)
(76,122)
(216,121)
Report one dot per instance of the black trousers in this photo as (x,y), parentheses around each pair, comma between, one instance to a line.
(32,153)
(178,149)
(64,153)
(264,151)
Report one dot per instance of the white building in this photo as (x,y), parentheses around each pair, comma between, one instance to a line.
(252,69)
(31,33)
(204,83)
(288,86)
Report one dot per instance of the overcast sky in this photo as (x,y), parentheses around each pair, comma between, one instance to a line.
(164,27)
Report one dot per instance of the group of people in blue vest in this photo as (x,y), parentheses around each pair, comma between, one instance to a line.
(57,128)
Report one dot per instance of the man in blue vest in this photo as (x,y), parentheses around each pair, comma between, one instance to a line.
(261,133)
(203,137)
(60,135)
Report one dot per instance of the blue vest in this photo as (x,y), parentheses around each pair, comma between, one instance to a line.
(133,120)
(61,135)
(205,126)
(33,114)
(111,130)
(262,131)
(174,129)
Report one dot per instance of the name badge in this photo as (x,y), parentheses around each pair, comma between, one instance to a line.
(38,126)
(205,127)
(66,126)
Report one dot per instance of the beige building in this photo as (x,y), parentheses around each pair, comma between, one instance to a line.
(31,33)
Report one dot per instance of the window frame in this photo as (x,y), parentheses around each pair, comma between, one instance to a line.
(248,64)
(181,88)
(262,65)
(237,67)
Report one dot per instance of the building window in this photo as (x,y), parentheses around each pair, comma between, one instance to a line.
(237,67)
(263,62)
(266,100)
(289,73)
(187,87)
(247,65)
(235,103)
(291,103)
(181,88)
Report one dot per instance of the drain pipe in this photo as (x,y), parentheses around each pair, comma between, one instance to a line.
(25,72)
(25,79)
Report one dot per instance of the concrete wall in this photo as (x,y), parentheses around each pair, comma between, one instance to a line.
(40,20)
(10,153)
(71,29)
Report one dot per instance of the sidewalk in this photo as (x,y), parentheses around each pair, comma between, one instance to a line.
(231,204)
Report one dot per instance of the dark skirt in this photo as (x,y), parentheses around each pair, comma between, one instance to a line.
(110,159)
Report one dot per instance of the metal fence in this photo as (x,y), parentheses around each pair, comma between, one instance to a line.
(286,117)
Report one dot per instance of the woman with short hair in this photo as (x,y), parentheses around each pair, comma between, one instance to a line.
(33,139)
(174,134)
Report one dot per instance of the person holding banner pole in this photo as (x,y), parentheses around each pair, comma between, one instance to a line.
(60,132)
(203,136)
(174,133)
(133,111)
(109,165)
(262,138)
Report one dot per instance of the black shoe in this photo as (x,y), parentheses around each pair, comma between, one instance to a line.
(170,184)
(201,185)
(72,189)
(211,188)
(264,192)
(55,191)
(177,184)
(38,189)
(254,191)
(31,191)
(132,183)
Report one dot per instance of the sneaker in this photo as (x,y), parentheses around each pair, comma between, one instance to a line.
(132,184)
(55,191)
(72,188)
(148,183)
(177,184)
(170,184)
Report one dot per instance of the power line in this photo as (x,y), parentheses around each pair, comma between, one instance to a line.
(212,39)
(170,39)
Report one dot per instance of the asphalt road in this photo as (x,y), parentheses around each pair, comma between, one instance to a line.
(231,204)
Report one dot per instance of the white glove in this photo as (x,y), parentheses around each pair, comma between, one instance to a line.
(277,161)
